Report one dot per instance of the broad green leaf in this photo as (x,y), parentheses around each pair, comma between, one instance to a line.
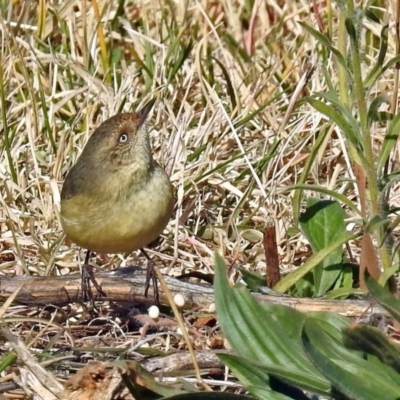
(290,279)
(254,333)
(303,287)
(248,372)
(263,393)
(212,396)
(344,285)
(334,323)
(371,340)
(321,224)
(351,374)
(288,318)
(343,292)
(253,374)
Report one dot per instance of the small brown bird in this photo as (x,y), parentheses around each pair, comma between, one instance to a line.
(117,198)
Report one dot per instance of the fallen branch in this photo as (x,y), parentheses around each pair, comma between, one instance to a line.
(126,285)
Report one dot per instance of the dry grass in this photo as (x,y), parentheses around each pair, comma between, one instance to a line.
(223,93)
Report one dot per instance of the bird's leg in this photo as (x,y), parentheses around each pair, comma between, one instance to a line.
(87,277)
(150,275)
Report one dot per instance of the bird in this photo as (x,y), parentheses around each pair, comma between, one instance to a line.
(117,198)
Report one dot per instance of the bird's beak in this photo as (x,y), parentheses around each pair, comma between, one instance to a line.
(144,112)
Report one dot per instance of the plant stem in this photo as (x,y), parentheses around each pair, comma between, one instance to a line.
(366,137)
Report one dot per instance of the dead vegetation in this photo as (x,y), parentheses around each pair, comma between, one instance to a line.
(224,126)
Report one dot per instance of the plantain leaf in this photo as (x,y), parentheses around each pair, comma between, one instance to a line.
(290,279)
(371,340)
(348,371)
(321,224)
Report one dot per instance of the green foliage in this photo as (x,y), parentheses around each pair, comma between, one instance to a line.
(212,396)
(350,109)
(348,371)
(316,259)
(385,298)
(287,354)
(321,224)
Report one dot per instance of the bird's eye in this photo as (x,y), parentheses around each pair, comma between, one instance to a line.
(123,138)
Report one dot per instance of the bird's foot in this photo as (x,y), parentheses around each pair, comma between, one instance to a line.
(87,279)
(151,276)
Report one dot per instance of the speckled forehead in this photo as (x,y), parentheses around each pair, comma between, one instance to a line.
(122,119)
(117,122)
(113,125)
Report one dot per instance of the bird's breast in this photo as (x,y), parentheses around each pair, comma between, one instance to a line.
(123,220)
